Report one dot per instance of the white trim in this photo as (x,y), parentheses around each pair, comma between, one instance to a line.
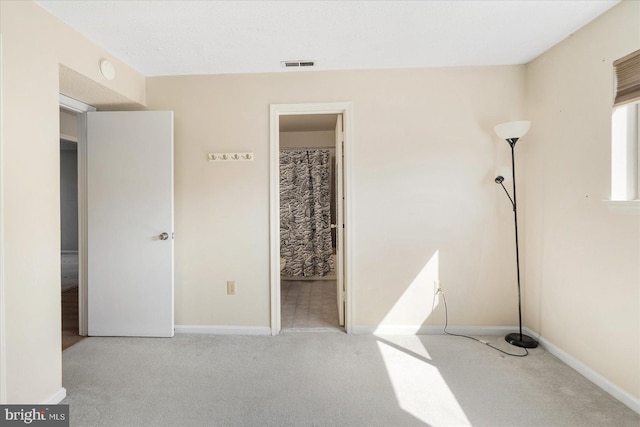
(623,206)
(222,330)
(275,111)
(274,219)
(80,109)
(431,330)
(83,218)
(348,214)
(56,397)
(339,219)
(623,396)
(3,343)
(73,105)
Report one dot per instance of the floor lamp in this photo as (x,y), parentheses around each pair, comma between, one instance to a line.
(512,132)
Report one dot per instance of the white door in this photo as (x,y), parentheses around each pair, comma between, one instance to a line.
(130,223)
(340,218)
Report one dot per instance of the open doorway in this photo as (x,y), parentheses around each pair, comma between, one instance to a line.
(69,267)
(116,249)
(73,219)
(308,222)
(310,253)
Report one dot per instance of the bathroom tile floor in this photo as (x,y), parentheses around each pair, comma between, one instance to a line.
(309,305)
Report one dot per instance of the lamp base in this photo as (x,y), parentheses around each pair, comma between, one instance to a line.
(521,340)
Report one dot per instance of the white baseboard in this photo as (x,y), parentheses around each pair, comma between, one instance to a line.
(430,330)
(222,330)
(56,397)
(593,376)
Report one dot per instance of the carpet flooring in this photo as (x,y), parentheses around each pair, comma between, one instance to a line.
(326,379)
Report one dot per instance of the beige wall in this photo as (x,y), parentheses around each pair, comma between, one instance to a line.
(582,261)
(424,156)
(425,205)
(68,126)
(322,138)
(34,46)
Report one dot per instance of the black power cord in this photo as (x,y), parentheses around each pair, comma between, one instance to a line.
(446,323)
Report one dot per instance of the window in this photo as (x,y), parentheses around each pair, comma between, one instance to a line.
(624,152)
(625,122)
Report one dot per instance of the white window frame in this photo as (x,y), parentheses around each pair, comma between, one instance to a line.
(625,159)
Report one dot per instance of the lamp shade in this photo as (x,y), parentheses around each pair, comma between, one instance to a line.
(511,130)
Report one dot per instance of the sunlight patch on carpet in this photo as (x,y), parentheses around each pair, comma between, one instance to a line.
(418,385)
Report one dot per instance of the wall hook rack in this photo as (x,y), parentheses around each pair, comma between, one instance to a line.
(230,157)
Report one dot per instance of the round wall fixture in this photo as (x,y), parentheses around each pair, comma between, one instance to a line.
(107,70)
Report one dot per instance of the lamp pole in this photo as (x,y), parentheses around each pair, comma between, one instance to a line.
(512,144)
(517,339)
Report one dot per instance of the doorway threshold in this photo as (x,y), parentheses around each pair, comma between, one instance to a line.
(320,330)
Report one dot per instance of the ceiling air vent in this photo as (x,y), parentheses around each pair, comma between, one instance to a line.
(298,64)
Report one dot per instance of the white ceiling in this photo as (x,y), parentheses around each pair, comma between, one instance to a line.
(214,37)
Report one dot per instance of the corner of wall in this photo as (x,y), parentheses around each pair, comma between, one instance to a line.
(573,244)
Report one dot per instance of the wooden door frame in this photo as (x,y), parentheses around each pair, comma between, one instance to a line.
(276,111)
(80,109)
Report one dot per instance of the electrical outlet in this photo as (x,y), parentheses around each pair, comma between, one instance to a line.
(438,287)
(231,287)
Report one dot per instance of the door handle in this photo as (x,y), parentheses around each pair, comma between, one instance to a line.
(164,236)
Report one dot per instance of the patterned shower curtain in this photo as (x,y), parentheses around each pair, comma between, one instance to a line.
(305,212)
